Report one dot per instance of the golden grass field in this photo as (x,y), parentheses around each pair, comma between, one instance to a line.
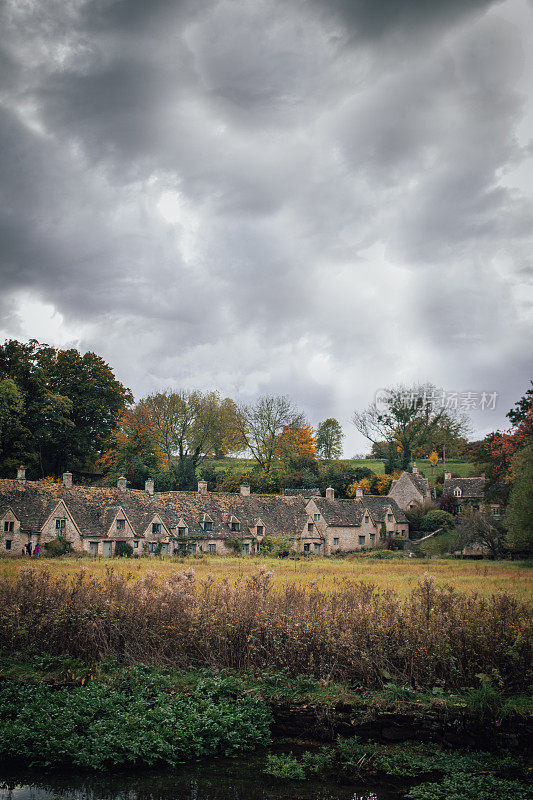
(398,574)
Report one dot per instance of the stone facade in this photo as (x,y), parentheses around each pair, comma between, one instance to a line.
(95,520)
(410,489)
(469,494)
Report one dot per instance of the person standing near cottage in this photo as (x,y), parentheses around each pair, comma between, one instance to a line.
(29,549)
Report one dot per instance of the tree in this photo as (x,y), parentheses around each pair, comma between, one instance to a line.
(477,528)
(262,424)
(407,418)
(134,450)
(435,519)
(519,515)
(329,438)
(71,404)
(296,446)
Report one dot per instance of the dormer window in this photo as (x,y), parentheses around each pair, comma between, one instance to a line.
(156,527)
(366,519)
(389,517)
(60,524)
(182,531)
(316,517)
(259,530)
(310,526)
(457,492)
(235,527)
(208,525)
(8,526)
(121,524)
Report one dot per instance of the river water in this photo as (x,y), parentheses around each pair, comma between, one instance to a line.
(215,779)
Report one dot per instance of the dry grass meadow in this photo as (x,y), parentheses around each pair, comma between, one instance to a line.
(397,574)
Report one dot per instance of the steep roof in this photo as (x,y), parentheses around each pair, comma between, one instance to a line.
(349,513)
(94,508)
(472,488)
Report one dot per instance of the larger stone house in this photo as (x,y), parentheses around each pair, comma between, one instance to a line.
(411,489)
(95,520)
(469,495)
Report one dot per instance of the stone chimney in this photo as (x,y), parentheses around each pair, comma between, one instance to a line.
(21,474)
(447,476)
(121,484)
(149,486)
(330,493)
(202,488)
(67,480)
(245,490)
(415,468)
(358,494)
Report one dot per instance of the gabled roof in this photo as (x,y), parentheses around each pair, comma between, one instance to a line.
(349,513)
(472,488)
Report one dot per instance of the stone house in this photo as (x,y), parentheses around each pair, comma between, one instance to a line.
(95,520)
(410,489)
(469,493)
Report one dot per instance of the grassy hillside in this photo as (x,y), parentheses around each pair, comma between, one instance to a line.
(462,468)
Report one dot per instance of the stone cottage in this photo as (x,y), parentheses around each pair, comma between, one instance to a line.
(95,520)
(410,489)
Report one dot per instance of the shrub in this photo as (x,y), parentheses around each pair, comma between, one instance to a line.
(123,549)
(137,719)
(436,519)
(471,787)
(57,547)
(286,767)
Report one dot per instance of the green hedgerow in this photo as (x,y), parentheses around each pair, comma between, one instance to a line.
(286,767)
(471,787)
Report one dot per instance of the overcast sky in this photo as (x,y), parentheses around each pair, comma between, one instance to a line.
(294,197)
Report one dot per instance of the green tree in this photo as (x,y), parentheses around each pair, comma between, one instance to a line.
(408,417)
(329,438)
(262,424)
(519,515)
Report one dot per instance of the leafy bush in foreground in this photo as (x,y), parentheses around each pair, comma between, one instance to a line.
(434,637)
(471,787)
(131,721)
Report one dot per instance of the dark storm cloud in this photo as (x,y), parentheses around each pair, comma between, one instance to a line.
(270,196)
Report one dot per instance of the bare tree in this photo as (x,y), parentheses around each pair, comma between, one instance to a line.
(262,424)
(477,528)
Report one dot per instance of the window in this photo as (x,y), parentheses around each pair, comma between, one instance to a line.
(121,524)
(317,549)
(212,548)
(367,519)
(335,542)
(495,511)
(208,526)
(156,527)
(8,527)
(135,545)
(60,524)
(362,541)
(389,517)
(316,517)
(457,492)
(309,526)
(181,531)
(8,544)
(307,547)
(372,538)
(152,547)
(235,527)
(259,530)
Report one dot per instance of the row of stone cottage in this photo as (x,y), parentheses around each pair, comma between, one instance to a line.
(94,519)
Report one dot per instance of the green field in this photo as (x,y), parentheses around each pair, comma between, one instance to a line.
(462,468)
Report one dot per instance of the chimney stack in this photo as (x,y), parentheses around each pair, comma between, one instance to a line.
(149,486)
(21,474)
(330,493)
(358,494)
(245,490)
(121,484)
(202,488)
(447,476)
(67,480)
(415,468)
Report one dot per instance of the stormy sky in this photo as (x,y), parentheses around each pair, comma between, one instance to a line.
(295,197)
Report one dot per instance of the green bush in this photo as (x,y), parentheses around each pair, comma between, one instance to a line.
(123,549)
(57,547)
(471,787)
(286,767)
(137,719)
(436,519)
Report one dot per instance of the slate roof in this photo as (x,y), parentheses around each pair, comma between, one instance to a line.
(307,493)
(349,513)
(471,488)
(94,508)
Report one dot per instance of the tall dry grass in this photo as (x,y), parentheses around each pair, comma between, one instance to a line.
(435,636)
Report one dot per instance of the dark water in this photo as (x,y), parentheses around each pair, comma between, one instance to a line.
(215,779)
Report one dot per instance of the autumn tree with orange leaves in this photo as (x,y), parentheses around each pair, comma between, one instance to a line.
(135,449)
